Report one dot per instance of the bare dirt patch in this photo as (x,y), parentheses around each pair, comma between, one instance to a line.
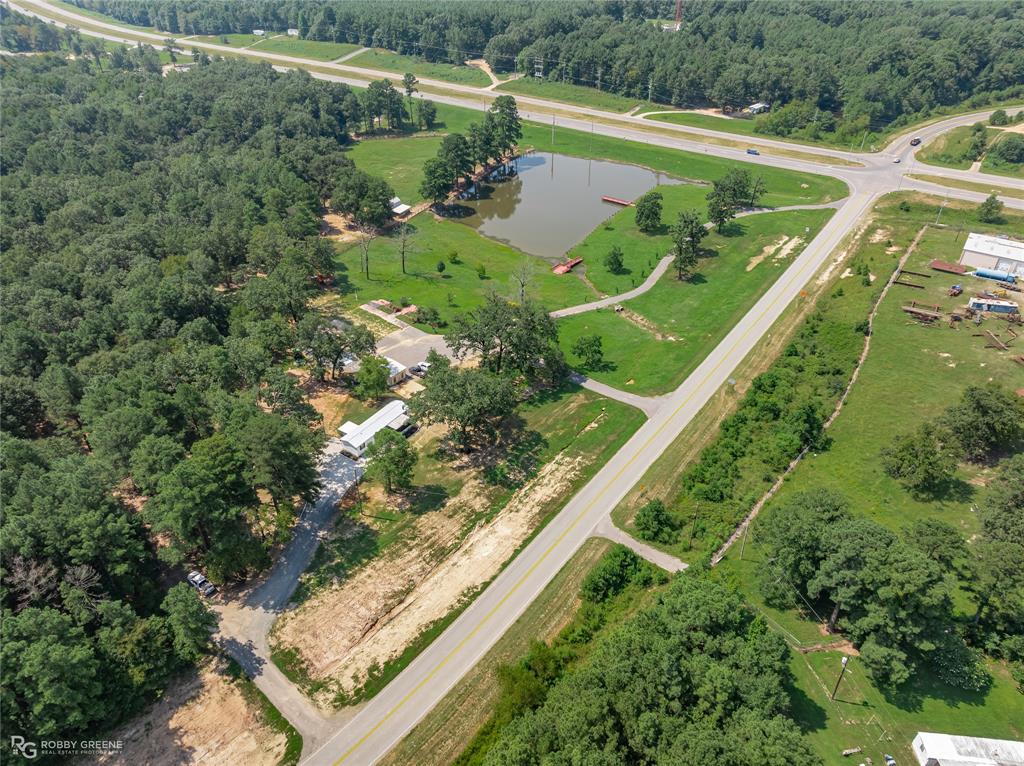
(347,632)
(788,249)
(338,228)
(766,252)
(202,719)
(880,235)
(644,324)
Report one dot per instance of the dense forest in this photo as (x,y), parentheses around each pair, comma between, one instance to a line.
(696,678)
(843,66)
(159,244)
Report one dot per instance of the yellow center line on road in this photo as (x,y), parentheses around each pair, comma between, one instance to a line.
(519,583)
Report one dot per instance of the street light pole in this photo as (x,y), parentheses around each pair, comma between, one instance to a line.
(840,679)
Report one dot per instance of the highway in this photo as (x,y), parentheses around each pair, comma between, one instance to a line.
(395,710)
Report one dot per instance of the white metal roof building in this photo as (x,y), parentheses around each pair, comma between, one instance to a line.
(398,207)
(355,438)
(933,749)
(983,251)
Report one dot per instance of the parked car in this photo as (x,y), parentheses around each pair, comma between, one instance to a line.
(915,141)
(896,161)
(753,151)
(201,584)
(417,370)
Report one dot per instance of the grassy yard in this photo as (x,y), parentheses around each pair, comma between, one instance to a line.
(572,94)
(459,288)
(680,322)
(863,715)
(399,161)
(396,62)
(310,49)
(948,148)
(640,251)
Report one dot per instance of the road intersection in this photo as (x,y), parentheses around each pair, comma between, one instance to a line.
(365,737)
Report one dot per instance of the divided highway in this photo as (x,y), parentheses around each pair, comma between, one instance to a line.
(384,720)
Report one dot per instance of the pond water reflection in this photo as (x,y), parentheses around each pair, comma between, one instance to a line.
(555,201)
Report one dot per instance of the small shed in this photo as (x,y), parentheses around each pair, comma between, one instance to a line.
(397,372)
(260,32)
(293,33)
(398,207)
(356,437)
(995,305)
(759,108)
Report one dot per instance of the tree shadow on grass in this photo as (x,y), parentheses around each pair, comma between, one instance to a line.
(911,696)
(954,490)
(733,229)
(455,210)
(697,279)
(424,498)
(808,714)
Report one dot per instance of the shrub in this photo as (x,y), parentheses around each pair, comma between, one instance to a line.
(653,522)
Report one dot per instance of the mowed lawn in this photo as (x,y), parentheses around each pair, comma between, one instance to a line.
(310,49)
(571,94)
(396,62)
(459,288)
(742,126)
(399,161)
(640,251)
(665,333)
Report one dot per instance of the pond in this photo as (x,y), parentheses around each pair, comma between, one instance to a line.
(554,201)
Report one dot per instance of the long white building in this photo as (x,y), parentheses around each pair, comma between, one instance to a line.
(983,251)
(933,749)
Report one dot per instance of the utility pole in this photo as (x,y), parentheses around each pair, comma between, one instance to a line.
(863,140)
(650,89)
(552,130)
(941,208)
(842,672)
(599,71)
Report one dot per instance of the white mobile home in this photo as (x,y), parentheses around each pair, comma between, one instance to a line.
(983,251)
(933,749)
(355,438)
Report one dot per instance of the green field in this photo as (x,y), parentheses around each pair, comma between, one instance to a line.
(572,94)
(737,125)
(680,322)
(640,251)
(947,149)
(310,49)
(957,183)
(235,40)
(399,161)
(396,62)
(459,288)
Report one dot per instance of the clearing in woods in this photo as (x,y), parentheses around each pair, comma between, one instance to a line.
(398,569)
